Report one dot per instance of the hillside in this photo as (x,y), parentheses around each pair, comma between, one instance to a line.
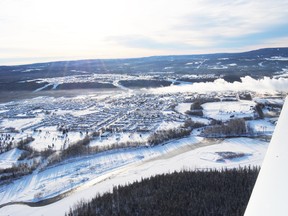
(258,63)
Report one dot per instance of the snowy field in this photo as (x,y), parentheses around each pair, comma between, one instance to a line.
(7,159)
(50,136)
(273,101)
(118,138)
(97,174)
(183,107)
(228,109)
(75,172)
(261,126)
(20,123)
(169,125)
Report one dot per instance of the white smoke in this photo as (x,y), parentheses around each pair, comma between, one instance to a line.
(265,85)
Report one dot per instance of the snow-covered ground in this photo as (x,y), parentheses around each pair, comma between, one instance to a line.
(119,138)
(271,101)
(277,58)
(252,151)
(20,123)
(226,109)
(7,159)
(261,126)
(169,125)
(97,174)
(183,107)
(50,136)
(56,180)
(3,111)
(75,112)
(201,120)
(282,74)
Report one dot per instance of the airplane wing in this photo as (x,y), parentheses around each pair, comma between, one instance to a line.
(270,193)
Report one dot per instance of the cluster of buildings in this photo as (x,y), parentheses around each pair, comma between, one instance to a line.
(134,113)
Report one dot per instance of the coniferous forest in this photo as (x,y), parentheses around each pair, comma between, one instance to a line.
(211,192)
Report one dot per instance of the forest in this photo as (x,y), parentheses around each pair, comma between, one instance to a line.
(210,192)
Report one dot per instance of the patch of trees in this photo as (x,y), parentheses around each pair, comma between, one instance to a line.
(192,124)
(84,85)
(164,135)
(81,148)
(196,105)
(259,110)
(28,151)
(16,171)
(271,104)
(196,193)
(23,142)
(232,78)
(7,142)
(245,96)
(76,149)
(197,80)
(22,168)
(230,155)
(21,86)
(144,83)
(195,109)
(234,127)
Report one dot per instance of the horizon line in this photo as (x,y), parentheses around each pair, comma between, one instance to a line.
(66,59)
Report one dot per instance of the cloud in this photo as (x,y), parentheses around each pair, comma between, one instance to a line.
(232,21)
(215,26)
(235,17)
(130,28)
(138,41)
(273,35)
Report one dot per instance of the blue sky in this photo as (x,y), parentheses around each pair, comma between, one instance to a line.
(46,30)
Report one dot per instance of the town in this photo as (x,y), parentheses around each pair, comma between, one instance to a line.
(140,113)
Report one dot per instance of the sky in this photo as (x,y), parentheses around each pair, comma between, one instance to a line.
(48,30)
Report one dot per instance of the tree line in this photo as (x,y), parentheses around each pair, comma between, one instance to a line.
(162,136)
(213,192)
(234,127)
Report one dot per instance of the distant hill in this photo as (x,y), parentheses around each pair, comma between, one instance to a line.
(256,63)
